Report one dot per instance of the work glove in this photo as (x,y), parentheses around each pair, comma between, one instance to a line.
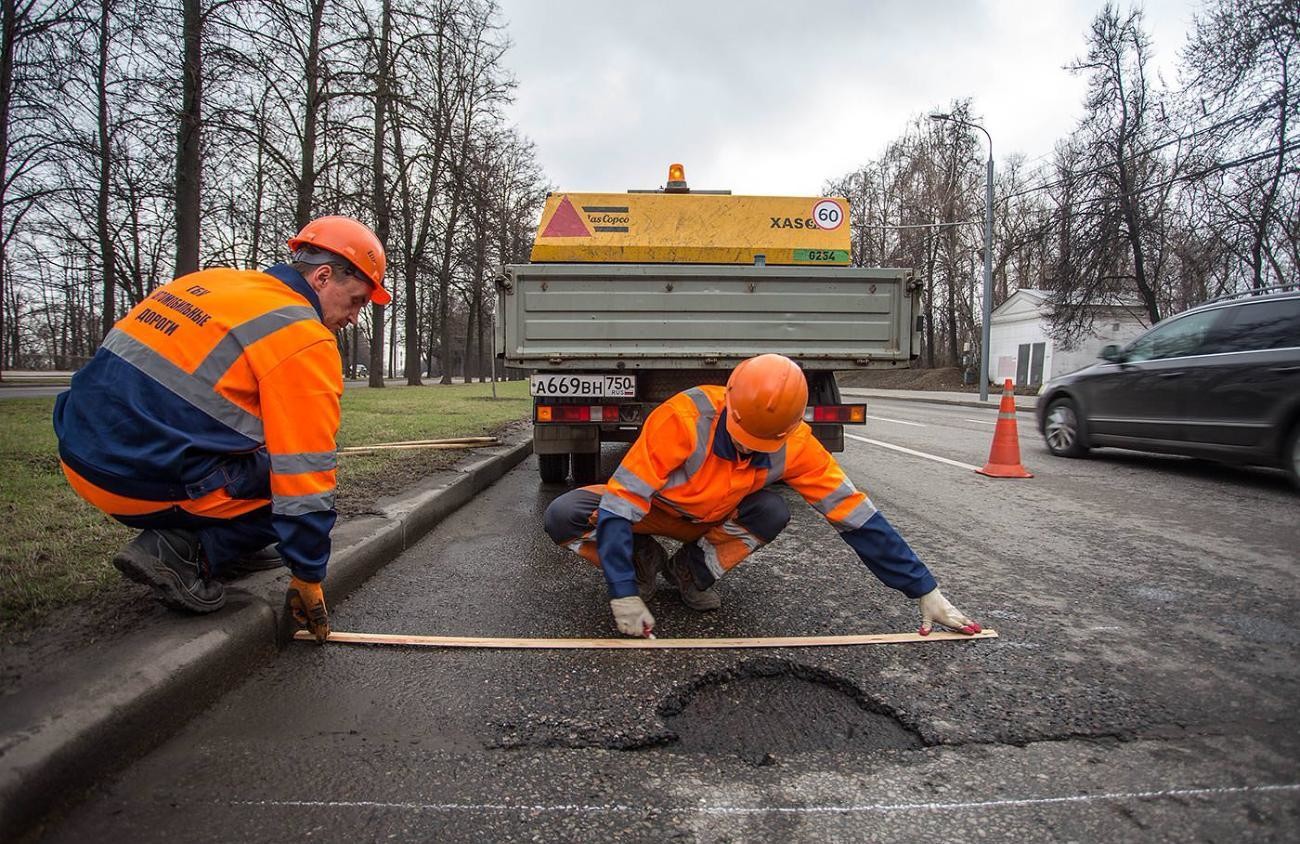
(631,616)
(936,609)
(306,602)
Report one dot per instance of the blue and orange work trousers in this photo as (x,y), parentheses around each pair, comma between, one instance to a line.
(712,548)
(229,510)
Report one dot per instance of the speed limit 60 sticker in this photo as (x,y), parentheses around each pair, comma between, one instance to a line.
(827,214)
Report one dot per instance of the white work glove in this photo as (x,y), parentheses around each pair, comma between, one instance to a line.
(936,609)
(631,616)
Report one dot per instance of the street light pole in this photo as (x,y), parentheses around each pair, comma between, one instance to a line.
(985,319)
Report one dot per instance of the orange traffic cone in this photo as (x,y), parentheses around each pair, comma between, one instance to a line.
(1004,456)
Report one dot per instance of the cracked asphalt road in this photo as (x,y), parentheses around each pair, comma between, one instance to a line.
(1143,687)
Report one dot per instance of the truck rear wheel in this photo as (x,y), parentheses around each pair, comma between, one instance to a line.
(553,467)
(585,468)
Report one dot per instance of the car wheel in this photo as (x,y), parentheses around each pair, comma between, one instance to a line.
(1291,458)
(1063,429)
(553,467)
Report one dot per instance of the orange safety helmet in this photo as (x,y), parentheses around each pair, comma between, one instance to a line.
(352,240)
(766,397)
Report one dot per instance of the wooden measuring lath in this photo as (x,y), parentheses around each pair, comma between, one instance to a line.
(342,637)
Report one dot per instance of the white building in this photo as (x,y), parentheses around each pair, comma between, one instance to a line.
(1022,349)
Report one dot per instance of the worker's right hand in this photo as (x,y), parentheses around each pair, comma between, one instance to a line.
(306,603)
(631,616)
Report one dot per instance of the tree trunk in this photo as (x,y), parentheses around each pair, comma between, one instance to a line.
(444,273)
(307,175)
(188,163)
(106,254)
(8,43)
(383,214)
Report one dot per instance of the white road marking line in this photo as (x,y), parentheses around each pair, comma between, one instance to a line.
(933,457)
(611,808)
(981,421)
(897,421)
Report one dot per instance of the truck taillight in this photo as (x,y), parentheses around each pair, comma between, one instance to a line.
(576,413)
(847,414)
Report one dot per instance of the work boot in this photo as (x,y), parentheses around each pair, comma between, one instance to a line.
(678,571)
(172,563)
(648,556)
(263,559)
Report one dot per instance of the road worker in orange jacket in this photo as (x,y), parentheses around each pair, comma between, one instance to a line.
(208,420)
(699,473)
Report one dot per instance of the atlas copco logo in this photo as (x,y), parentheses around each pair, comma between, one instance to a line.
(826,215)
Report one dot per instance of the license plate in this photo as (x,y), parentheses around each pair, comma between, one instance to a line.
(584,386)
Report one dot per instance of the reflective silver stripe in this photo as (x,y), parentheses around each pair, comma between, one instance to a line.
(774,474)
(632,482)
(703,424)
(304,462)
(839,494)
(711,559)
(183,384)
(300,505)
(702,401)
(736,529)
(621,507)
(857,517)
(246,334)
(678,509)
(576,545)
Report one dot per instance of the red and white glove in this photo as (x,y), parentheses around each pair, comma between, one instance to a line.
(631,616)
(935,608)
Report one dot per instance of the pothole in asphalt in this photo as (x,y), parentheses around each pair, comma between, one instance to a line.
(768,706)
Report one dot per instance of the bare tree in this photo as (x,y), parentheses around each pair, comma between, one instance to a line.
(26,102)
(1241,63)
(1116,223)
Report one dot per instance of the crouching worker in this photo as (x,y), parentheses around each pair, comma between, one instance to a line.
(207,419)
(699,473)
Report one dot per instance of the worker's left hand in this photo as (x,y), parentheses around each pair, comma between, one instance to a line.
(935,608)
(306,602)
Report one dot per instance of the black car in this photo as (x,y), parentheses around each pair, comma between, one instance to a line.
(1221,381)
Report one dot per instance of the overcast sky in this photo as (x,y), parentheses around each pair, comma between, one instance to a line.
(772,97)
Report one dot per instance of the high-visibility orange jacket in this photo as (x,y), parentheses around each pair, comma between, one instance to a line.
(685,460)
(217,365)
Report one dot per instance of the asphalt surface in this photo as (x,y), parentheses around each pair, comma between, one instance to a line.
(1142,687)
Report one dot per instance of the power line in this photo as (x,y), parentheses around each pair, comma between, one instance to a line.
(1181,177)
(1136,155)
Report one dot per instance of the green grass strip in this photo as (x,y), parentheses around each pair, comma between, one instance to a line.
(55,549)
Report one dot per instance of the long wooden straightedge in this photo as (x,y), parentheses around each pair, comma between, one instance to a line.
(644,644)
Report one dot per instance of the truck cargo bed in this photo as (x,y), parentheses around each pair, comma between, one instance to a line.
(661,316)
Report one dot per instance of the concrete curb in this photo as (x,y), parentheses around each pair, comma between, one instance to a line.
(97,711)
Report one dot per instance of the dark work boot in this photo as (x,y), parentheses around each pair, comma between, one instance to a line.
(172,563)
(648,556)
(263,559)
(678,571)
